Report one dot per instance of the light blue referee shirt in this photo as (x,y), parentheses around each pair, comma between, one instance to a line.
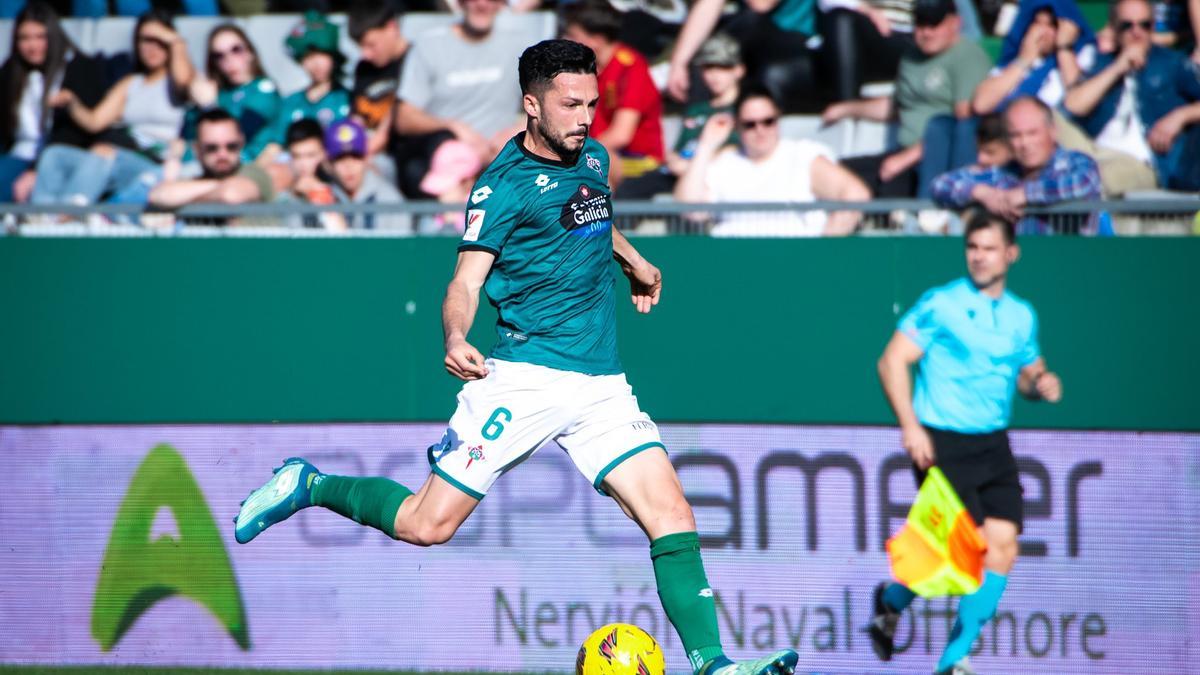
(975,346)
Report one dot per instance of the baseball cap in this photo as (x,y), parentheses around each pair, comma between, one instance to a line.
(345,137)
(313,33)
(932,12)
(719,50)
(452,162)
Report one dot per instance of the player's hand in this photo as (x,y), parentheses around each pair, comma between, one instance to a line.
(464,361)
(645,284)
(1049,387)
(918,445)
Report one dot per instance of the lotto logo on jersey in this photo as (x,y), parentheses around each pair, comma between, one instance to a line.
(474,224)
(481,194)
(587,213)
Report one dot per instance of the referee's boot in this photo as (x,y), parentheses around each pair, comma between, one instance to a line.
(288,491)
(882,628)
(960,667)
(782,662)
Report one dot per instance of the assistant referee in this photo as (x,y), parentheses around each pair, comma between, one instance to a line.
(975,343)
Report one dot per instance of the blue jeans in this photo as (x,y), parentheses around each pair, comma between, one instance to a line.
(67,174)
(949,143)
(10,168)
(1179,169)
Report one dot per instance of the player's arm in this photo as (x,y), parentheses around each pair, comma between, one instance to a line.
(1036,383)
(645,280)
(895,376)
(458,313)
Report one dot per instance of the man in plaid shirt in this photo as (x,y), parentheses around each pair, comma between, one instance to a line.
(1042,173)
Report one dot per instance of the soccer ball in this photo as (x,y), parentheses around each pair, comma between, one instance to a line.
(619,649)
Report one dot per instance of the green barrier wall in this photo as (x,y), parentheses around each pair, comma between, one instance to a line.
(254,330)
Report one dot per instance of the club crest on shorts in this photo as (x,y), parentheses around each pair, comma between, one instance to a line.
(475,452)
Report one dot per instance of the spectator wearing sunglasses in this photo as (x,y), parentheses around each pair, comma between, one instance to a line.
(764,167)
(223,177)
(236,82)
(1141,106)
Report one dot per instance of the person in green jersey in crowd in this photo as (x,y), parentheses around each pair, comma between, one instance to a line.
(313,43)
(235,82)
(539,239)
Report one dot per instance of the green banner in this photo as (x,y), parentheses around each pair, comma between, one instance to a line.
(788,331)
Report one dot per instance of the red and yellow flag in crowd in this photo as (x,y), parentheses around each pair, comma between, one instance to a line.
(939,551)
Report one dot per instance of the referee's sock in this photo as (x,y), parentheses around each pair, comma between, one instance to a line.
(373,502)
(974,611)
(687,598)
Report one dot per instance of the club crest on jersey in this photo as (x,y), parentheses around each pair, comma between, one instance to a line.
(481,194)
(593,164)
(587,213)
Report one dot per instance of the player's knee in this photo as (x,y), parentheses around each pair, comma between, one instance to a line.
(1001,555)
(432,533)
(677,510)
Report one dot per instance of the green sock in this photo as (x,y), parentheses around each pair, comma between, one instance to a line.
(368,501)
(686,597)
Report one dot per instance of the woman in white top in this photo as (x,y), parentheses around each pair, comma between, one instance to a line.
(41,51)
(765,167)
(142,113)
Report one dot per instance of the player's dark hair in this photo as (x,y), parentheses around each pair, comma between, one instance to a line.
(754,90)
(367,16)
(541,63)
(991,129)
(595,17)
(979,218)
(303,129)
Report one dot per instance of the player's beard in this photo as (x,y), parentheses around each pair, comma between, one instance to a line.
(558,143)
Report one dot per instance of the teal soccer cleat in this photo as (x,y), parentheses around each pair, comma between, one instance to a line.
(288,491)
(782,662)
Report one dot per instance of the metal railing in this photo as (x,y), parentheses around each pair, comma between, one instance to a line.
(1175,216)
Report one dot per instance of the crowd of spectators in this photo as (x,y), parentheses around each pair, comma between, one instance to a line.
(1068,111)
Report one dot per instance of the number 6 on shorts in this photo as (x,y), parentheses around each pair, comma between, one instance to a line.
(494,426)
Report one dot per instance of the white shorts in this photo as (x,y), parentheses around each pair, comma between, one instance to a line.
(507,416)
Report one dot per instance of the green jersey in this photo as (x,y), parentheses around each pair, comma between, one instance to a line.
(549,224)
(331,107)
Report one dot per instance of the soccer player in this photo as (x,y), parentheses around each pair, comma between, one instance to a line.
(539,239)
(975,343)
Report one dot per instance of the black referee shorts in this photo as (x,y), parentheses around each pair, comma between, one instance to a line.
(983,472)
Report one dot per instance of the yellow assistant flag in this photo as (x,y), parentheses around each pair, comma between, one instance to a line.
(939,551)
